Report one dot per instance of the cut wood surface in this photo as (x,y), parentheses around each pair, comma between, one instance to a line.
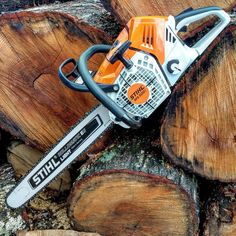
(54,233)
(35,106)
(23,158)
(127,191)
(221,212)
(199,129)
(124,9)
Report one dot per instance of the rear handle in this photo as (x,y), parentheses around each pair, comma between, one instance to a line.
(190,16)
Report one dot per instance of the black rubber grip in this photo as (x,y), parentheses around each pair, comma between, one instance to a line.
(189,13)
(97,91)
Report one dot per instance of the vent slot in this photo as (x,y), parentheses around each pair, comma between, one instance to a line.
(169,36)
(148,33)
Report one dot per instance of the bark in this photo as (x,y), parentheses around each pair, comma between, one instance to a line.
(198,131)
(128,190)
(35,106)
(91,11)
(6,5)
(124,10)
(54,232)
(221,213)
(47,211)
(10,220)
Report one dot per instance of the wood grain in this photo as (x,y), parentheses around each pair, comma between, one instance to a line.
(125,192)
(35,106)
(199,129)
(125,9)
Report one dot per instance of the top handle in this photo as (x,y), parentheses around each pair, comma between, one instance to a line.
(186,18)
(65,78)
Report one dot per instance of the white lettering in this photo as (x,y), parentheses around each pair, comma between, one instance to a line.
(55,163)
(49,167)
(41,174)
(65,155)
(36,180)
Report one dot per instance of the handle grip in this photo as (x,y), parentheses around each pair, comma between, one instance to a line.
(191,16)
(97,91)
(75,74)
(65,77)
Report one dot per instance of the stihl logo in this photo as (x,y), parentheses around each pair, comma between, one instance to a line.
(65,152)
(45,171)
(138,93)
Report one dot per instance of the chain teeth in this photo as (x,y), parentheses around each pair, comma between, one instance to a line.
(49,150)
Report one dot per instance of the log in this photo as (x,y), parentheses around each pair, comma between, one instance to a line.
(23,157)
(6,5)
(92,12)
(198,131)
(128,191)
(35,106)
(124,10)
(221,212)
(54,232)
(10,220)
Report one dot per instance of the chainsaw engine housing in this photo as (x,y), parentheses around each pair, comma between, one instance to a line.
(144,86)
(148,58)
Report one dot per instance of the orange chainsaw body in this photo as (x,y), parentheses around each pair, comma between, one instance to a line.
(146,33)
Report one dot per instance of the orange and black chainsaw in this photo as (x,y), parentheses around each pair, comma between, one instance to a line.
(142,65)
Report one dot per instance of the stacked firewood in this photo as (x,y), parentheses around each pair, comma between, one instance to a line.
(176,175)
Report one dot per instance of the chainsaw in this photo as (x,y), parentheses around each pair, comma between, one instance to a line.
(136,76)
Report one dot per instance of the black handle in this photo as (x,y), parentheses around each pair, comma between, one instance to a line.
(192,12)
(97,91)
(75,74)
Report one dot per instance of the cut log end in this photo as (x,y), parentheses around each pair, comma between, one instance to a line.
(199,131)
(127,203)
(124,10)
(126,192)
(35,106)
